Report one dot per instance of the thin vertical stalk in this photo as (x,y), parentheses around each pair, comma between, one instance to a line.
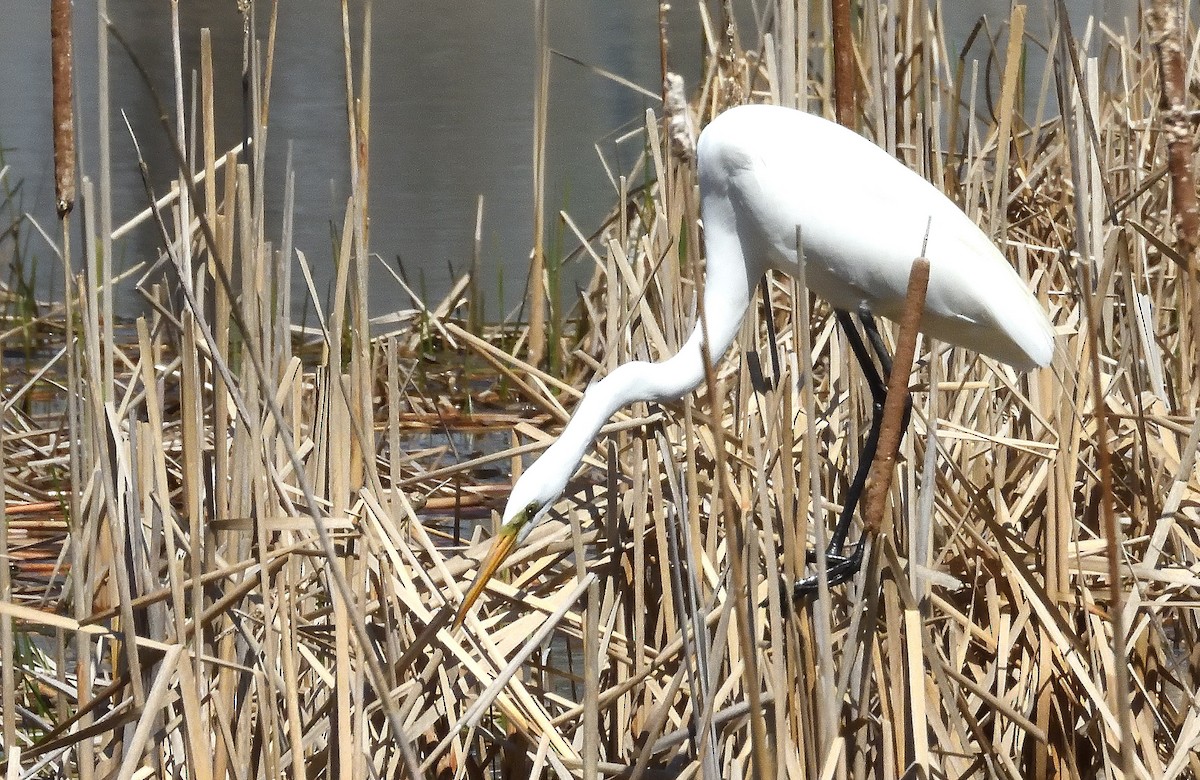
(184,202)
(476,311)
(727,507)
(536,297)
(360,361)
(105,226)
(208,124)
(80,592)
(591,681)
(814,513)
(1008,95)
(791,89)
(1114,546)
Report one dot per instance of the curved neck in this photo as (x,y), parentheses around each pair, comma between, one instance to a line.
(729,283)
(641,381)
(598,404)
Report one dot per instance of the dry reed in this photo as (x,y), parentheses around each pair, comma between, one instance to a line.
(235,566)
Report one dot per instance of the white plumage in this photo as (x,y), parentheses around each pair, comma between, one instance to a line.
(863,218)
(764,170)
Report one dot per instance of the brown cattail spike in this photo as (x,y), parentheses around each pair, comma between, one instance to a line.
(843,63)
(879,479)
(64,118)
(1165,33)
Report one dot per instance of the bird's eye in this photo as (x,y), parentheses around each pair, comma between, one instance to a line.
(532,509)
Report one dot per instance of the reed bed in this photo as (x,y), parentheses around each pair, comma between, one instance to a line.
(248,568)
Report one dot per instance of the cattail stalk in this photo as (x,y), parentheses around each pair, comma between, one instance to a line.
(63,97)
(1163,20)
(843,63)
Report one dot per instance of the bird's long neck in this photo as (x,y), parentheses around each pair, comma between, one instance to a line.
(726,297)
(730,277)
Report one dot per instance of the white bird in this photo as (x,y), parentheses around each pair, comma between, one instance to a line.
(766,172)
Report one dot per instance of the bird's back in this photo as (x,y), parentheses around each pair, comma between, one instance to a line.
(863,217)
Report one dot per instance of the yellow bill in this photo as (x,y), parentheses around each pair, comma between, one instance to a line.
(501,547)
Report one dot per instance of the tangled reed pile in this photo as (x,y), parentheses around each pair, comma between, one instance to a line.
(254,581)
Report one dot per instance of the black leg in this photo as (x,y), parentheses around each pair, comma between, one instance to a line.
(875,383)
(842,567)
(881,354)
(878,396)
(885,362)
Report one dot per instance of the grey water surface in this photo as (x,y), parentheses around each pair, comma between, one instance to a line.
(451,119)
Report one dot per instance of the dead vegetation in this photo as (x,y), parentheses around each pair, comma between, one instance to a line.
(253,582)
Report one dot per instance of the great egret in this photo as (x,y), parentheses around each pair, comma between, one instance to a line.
(767,172)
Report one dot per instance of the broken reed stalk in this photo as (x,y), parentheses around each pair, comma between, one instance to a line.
(879,478)
(1164,23)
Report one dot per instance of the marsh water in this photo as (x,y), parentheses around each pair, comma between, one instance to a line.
(451,119)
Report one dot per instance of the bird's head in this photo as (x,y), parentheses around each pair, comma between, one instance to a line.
(537,489)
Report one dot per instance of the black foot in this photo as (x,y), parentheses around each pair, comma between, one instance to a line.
(839,569)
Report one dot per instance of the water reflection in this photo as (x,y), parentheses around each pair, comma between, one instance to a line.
(452,117)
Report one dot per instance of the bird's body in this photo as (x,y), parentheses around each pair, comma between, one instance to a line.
(771,178)
(862,216)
